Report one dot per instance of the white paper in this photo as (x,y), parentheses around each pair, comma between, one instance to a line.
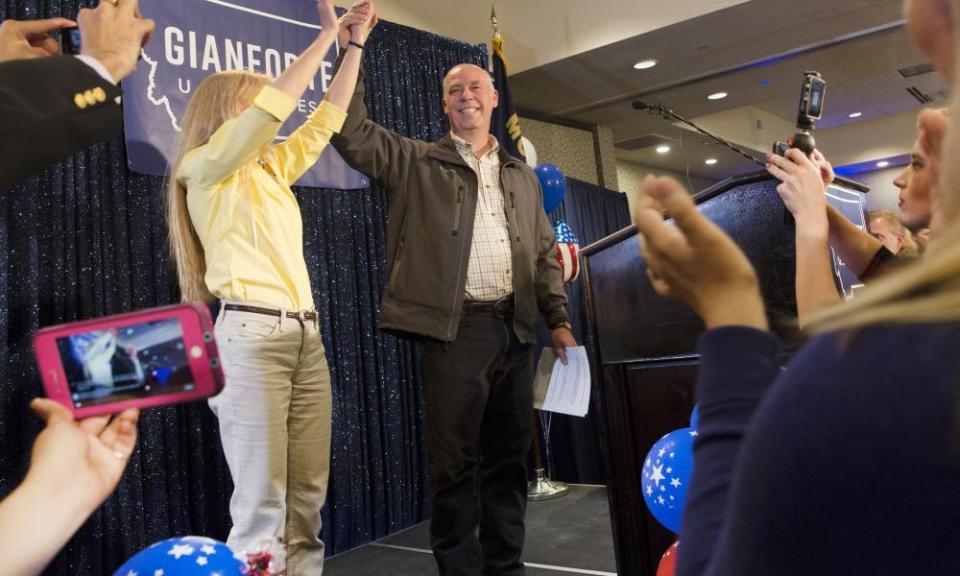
(569,389)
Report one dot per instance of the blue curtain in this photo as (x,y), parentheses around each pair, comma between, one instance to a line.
(592,213)
(86,238)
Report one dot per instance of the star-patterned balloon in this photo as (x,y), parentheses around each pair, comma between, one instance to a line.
(666,476)
(568,251)
(185,556)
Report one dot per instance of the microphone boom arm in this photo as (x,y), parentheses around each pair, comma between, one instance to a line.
(667,113)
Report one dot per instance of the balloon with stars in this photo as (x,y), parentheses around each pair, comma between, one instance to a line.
(568,251)
(666,476)
(185,556)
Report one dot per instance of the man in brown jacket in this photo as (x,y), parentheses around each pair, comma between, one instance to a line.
(471,267)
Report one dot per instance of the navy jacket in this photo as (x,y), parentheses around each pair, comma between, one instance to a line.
(846,463)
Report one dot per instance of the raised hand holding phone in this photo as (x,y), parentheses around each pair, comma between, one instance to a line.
(137,360)
(74,467)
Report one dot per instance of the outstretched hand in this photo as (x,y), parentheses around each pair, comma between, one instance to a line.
(357,23)
(21,40)
(92,453)
(693,260)
(826,168)
(114,34)
(328,17)
(801,189)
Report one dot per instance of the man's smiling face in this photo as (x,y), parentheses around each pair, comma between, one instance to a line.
(469,99)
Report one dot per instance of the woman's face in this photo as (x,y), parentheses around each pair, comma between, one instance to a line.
(916,184)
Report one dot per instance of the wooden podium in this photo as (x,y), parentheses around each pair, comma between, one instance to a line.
(644,347)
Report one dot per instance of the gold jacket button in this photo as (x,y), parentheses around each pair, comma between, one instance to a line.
(99,94)
(80,101)
(89,97)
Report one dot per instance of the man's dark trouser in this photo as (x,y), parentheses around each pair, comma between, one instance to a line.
(479,400)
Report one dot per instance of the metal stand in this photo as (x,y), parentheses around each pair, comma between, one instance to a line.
(543,488)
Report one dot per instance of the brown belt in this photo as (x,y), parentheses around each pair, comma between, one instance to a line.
(302,315)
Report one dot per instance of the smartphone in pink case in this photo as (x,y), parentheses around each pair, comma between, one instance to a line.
(136,360)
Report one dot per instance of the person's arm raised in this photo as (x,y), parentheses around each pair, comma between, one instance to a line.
(360,21)
(802,191)
(302,149)
(295,79)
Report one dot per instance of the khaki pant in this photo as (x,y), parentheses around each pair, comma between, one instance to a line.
(274,415)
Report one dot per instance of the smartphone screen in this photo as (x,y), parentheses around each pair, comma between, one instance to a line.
(70,40)
(126,363)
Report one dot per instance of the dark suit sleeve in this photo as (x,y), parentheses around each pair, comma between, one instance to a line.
(51,108)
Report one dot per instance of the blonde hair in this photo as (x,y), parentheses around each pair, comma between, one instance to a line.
(908,246)
(929,290)
(220,97)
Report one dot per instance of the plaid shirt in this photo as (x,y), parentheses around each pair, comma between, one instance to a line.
(490,271)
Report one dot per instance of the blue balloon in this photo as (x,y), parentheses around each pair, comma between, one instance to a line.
(554,185)
(185,556)
(666,477)
(695,417)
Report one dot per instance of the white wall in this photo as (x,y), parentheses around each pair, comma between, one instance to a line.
(883,194)
(630,174)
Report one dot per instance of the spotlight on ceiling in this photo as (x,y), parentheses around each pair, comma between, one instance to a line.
(663,149)
(645,64)
(717,96)
(710,161)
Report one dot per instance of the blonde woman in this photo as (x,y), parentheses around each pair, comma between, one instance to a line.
(236,234)
(848,462)
(820,226)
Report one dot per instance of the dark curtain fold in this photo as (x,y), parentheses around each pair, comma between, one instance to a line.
(86,238)
(592,213)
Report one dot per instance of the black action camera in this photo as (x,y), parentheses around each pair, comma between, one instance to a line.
(811,109)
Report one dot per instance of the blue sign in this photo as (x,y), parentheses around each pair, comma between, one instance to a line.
(195,38)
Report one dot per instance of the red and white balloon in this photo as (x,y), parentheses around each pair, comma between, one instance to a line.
(568,251)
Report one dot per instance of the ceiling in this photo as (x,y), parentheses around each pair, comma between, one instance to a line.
(756,51)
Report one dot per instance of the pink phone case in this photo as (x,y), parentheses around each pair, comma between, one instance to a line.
(146,388)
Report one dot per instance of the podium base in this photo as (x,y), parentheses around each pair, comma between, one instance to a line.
(544,488)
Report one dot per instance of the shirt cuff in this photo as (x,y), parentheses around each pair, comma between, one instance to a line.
(97,66)
(274,102)
(99,69)
(330,115)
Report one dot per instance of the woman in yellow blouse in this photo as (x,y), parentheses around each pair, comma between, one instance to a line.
(236,234)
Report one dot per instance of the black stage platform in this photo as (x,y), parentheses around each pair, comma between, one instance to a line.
(569,535)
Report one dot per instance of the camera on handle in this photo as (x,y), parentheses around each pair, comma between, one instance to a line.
(811,109)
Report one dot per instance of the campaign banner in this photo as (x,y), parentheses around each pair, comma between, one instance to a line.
(195,38)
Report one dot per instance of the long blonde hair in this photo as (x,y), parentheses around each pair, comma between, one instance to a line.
(220,97)
(929,290)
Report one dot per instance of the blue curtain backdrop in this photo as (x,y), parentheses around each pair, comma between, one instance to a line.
(574,447)
(86,238)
